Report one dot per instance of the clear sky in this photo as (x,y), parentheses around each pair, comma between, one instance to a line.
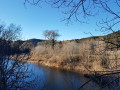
(34,20)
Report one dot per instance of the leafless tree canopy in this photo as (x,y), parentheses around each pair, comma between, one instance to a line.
(12,72)
(77,8)
(51,35)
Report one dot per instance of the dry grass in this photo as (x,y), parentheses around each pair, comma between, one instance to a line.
(91,55)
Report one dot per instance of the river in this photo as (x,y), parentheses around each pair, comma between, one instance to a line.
(54,79)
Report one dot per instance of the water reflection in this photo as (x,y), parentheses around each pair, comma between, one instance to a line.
(54,79)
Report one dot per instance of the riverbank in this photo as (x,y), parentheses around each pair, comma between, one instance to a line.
(73,66)
(78,69)
(86,57)
(77,65)
(106,79)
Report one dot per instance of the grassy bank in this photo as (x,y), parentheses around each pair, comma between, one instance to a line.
(86,56)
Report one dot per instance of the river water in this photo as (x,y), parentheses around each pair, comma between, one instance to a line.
(54,79)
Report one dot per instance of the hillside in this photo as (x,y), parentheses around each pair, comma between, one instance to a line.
(113,38)
(34,41)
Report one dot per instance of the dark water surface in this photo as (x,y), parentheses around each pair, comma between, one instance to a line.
(53,79)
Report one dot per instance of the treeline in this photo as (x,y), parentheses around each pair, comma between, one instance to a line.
(12,71)
(7,37)
(10,42)
(12,47)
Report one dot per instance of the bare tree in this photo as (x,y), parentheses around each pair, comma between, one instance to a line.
(85,8)
(51,35)
(12,72)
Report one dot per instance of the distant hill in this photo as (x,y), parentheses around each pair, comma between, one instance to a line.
(114,33)
(111,37)
(87,39)
(27,44)
(112,40)
(34,41)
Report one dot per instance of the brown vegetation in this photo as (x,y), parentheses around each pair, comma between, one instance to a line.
(84,56)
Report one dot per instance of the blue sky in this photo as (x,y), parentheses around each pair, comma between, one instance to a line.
(34,20)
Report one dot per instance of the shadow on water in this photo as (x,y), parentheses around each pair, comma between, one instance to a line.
(53,79)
